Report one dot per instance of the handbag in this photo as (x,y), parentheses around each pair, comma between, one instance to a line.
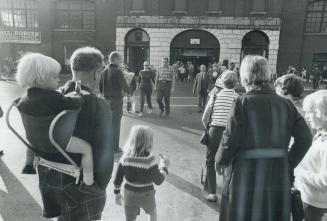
(296,205)
(205,136)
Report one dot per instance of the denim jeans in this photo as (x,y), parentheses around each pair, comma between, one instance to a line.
(215,135)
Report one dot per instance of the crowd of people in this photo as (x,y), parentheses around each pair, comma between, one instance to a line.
(260,141)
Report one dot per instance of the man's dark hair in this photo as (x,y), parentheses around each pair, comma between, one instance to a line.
(86,59)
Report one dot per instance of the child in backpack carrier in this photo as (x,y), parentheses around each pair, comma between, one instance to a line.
(140,169)
(39,75)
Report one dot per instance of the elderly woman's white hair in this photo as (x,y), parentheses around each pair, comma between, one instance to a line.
(35,69)
(254,71)
(316,103)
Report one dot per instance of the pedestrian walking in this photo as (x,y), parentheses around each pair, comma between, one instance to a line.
(311,173)
(164,84)
(39,75)
(61,197)
(218,108)
(254,150)
(138,166)
(146,81)
(111,86)
(201,86)
(315,77)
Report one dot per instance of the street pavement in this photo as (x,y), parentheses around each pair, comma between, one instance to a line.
(180,197)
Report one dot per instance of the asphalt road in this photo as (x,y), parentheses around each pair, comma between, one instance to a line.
(180,197)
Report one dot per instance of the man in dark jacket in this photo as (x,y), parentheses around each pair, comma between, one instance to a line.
(61,197)
(112,85)
(201,86)
(255,149)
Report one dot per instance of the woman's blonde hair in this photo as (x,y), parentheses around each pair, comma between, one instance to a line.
(254,71)
(316,103)
(139,141)
(34,70)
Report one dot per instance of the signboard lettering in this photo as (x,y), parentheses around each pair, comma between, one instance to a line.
(195,41)
(20,36)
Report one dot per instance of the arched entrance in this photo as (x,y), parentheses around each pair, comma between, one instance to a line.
(137,49)
(198,46)
(255,43)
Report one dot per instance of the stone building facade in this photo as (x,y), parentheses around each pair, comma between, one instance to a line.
(229,32)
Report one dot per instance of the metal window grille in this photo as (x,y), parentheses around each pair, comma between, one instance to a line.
(19,13)
(316,18)
(75,15)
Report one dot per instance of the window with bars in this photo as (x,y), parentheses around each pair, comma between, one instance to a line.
(316,19)
(75,14)
(19,13)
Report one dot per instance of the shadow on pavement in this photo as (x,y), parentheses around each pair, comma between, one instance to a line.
(17,203)
(191,189)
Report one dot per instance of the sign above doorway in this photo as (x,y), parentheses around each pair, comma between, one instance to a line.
(195,41)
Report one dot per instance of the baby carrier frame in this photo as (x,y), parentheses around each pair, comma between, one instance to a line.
(60,131)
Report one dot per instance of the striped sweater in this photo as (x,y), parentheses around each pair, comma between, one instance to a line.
(223,103)
(140,173)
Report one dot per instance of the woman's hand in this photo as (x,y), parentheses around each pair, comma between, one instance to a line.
(119,199)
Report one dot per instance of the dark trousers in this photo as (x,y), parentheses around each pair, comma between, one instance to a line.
(312,213)
(315,84)
(145,93)
(215,135)
(165,94)
(202,100)
(116,106)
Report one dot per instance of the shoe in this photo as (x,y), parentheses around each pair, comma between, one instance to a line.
(140,115)
(150,111)
(211,197)
(28,169)
(93,189)
(167,114)
(199,111)
(161,113)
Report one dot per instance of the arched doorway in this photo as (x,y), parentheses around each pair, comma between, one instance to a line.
(197,46)
(137,49)
(255,43)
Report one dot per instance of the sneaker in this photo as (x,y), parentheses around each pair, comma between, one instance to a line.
(140,115)
(150,111)
(93,189)
(28,169)
(211,197)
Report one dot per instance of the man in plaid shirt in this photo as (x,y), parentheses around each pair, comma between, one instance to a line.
(165,84)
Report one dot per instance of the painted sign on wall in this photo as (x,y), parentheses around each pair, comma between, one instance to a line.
(20,36)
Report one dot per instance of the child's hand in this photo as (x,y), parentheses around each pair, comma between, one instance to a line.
(119,199)
(164,162)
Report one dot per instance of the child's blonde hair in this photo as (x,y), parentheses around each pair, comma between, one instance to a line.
(139,141)
(35,69)
(316,103)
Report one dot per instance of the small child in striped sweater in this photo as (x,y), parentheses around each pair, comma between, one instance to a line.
(140,169)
